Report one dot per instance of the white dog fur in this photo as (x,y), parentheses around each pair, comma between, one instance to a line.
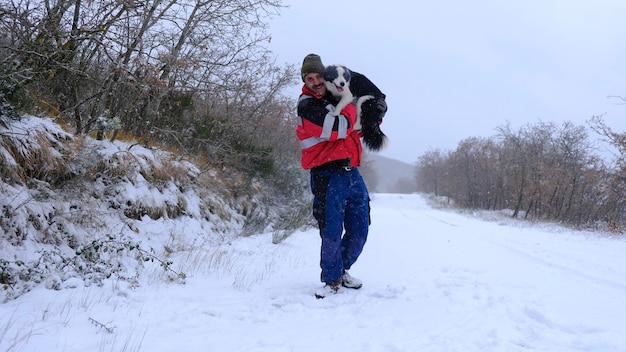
(337,80)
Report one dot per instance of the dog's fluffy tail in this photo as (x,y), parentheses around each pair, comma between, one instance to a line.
(373,137)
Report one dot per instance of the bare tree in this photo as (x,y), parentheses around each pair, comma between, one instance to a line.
(541,171)
(614,183)
(429,172)
(192,73)
(127,57)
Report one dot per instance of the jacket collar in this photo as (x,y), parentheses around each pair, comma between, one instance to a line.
(307,91)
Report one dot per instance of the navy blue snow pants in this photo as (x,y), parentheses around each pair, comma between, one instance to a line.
(341,201)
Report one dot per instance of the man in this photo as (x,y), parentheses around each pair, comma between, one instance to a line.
(332,150)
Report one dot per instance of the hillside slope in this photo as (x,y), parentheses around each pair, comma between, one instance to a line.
(391,175)
(75,208)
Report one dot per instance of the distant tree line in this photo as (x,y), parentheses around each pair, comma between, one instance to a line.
(541,171)
(193,74)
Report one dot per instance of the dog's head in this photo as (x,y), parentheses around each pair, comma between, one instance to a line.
(337,79)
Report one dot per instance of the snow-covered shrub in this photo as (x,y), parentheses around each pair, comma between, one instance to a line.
(112,256)
(33,148)
(93,210)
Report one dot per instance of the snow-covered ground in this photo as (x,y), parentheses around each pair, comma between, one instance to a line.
(434,280)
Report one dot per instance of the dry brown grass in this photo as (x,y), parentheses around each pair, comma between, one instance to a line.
(36,153)
(41,154)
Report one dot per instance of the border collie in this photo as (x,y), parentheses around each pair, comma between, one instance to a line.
(337,80)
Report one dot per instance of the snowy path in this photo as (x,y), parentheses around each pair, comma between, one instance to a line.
(433,281)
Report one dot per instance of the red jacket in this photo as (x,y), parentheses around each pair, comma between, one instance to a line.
(323,136)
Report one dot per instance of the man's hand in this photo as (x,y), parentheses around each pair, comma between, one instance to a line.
(374,109)
(381,106)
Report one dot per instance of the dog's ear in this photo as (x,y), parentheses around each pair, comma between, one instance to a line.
(330,73)
(347,74)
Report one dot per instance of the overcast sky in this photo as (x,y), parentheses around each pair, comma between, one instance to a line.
(454,69)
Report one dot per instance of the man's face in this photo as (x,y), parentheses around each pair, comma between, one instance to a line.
(315,82)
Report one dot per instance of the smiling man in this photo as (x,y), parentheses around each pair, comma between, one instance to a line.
(332,150)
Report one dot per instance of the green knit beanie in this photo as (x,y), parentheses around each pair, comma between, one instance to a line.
(312,63)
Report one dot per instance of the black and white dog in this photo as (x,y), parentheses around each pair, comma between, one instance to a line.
(338,80)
